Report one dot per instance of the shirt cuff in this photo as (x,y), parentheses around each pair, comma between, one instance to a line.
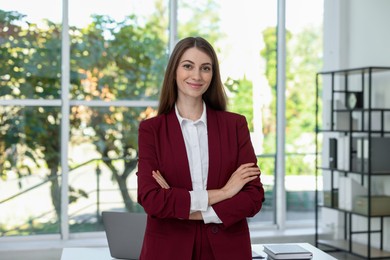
(209,216)
(199,200)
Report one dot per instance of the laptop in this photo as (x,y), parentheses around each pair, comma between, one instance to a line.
(125,233)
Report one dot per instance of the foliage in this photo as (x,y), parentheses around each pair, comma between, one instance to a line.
(269,53)
(241,98)
(113,68)
(199,20)
(303,60)
(101,68)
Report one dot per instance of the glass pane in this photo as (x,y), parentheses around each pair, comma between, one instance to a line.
(245,44)
(30,49)
(118,50)
(303,61)
(103,156)
(267,213)
(29,170)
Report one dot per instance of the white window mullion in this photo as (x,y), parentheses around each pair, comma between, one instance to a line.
(65,85)
(115,103)
(172,24)
(31,102)
(280,117)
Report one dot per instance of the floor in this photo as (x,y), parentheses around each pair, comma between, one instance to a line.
(345,256)
(46,248)
(48,254)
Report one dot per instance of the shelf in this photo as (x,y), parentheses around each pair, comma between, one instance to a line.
(346,110)
(354,172)
(353,212)
(357,248)
(356,70)
(354,129)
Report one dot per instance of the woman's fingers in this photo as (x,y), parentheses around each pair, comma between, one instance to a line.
(247,171)
(253,171)
(160,179)
(244,174)
(161,182)
(244,166)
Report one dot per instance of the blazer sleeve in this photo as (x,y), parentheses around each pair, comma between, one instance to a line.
(157,202)
(249,200)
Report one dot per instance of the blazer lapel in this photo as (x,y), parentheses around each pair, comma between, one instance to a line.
(215,152)
(179,152)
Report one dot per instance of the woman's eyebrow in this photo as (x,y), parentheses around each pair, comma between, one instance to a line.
(187,61)
(206,63)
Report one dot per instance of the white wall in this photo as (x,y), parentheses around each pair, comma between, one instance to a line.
(369,34)
(356,33)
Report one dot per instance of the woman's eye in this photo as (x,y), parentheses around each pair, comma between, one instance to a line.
(187,66)
(206,68)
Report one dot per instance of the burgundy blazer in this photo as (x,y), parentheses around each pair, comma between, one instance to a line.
(169,234)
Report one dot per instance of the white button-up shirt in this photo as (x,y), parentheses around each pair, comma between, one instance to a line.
(196,142)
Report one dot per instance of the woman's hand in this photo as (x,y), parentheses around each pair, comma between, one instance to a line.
(160,179)
(244,174)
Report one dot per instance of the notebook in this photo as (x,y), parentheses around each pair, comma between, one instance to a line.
(287,251)
(125,233)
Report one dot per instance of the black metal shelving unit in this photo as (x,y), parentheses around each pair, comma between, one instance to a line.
(355,123)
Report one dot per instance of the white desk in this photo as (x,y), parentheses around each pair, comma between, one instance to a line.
(318,254)
(103,253)
(86,253)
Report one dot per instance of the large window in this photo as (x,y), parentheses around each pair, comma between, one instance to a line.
(303,60)
(80,99)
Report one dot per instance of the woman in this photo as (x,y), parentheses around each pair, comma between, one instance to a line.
(198,178)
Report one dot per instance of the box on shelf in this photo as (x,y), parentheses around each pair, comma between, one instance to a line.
(380,150)
(349,189)
(333,153)
(380,205)
(342,122)
(343,152)
(328,198)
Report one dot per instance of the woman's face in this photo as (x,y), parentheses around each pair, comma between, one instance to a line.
(194,74)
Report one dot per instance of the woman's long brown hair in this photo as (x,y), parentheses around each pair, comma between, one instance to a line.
(214,97)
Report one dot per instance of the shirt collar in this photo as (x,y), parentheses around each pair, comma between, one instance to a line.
(203,117)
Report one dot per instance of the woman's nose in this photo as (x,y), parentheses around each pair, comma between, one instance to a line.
(196,74)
